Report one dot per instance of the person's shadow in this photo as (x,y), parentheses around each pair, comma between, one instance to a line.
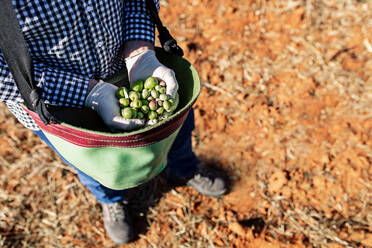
(146,196)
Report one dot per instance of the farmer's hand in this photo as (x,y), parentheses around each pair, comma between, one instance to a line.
(102,99)
(142,63)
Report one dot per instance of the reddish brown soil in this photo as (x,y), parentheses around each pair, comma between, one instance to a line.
(285,111)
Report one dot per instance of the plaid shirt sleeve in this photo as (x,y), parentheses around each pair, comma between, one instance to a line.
(138,23)
(8,91)
(65,87)
(57,86)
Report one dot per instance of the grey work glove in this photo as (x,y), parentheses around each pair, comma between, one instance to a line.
(102,98)
(145,64)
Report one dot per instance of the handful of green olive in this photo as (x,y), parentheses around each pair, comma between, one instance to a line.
(145,100)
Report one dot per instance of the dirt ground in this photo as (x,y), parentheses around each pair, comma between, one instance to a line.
(285,111)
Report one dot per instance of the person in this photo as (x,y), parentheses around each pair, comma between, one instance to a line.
(73,46)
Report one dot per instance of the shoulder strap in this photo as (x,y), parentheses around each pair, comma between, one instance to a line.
(13,46)
(168,43)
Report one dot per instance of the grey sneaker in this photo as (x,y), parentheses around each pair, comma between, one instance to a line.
(117,222)
(205,180)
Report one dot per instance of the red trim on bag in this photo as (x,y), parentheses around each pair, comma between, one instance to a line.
(93,140)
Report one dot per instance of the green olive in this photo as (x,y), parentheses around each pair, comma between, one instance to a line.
(137,86)
(159,102)
(145,109)
(154,94)
(119,93)
(171,101)
(167,106)
(163,84)
(140,115)
(153,105)
(160,111)
(162,90)
(122,92)
(163,97)
(152,115)
(135,112)
(127,113)
(124,102)
(133,95)
(145,93)
(145,102)
(150,83)
(136,104)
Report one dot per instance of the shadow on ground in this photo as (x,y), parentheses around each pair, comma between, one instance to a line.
(141,199)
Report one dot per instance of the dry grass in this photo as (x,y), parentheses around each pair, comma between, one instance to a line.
(285,109)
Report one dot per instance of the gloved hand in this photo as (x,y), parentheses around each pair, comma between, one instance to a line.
(102,99)
(145,64)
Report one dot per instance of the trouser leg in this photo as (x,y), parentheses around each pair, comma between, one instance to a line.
(182,161)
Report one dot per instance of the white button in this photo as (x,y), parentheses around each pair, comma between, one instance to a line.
(89,8)
(100,43)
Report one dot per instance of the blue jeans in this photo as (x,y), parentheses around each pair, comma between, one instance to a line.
(181,161)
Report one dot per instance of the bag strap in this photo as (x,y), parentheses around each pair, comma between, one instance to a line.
(13,46)
(168,43)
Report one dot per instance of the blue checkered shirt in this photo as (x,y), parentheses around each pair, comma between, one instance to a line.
(71,42)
